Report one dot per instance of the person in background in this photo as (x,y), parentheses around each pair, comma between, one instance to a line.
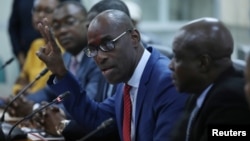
(68,24)
(32,65)
(20,29)
(202,66)
(247,78)
(149,105)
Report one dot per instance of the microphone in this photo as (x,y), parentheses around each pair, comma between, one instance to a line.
(7,63)
(103,125)
(56,100)
(5,126)
(42,73)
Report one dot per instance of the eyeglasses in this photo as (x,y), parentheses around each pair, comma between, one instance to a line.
(91,51)
(69,22)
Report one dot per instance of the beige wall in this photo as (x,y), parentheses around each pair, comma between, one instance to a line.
(6,53)
(235,12)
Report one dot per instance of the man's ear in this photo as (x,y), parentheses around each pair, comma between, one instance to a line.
(205,62)
(136,37)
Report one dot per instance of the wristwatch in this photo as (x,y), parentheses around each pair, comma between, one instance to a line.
(61,126)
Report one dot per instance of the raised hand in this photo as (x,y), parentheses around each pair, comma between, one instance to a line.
(50,54)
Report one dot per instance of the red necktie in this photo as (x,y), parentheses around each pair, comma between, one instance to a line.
(127,108)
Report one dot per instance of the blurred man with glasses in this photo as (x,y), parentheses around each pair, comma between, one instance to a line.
(32,65)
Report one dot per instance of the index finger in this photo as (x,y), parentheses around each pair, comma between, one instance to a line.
(41,28)
(47,34)
(50,37)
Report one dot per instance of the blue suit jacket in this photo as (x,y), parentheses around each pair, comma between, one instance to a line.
(158,104)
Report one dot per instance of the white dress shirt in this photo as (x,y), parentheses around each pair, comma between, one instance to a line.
(134,83)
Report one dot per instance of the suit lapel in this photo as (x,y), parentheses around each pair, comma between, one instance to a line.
(179,132)
(119,107)
(142,90)
(66,59)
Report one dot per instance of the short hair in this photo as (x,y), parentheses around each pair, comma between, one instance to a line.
(74,2)
(67,0)
(110,4)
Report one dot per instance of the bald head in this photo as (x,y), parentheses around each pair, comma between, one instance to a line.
(109,4)
(111,38)
(207,35)
(202,52)
(112,19)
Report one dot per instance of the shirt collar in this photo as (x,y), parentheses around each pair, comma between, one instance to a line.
(136,77)
(203,95)
(78,57)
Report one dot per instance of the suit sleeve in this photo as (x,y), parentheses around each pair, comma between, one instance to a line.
(88,113)
(93,78)
(168,110)
(228,108)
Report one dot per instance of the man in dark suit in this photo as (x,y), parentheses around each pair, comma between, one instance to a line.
(247,77)
(20,28)
(152,101)
(202,66)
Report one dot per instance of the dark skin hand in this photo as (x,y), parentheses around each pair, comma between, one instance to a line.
(49,119)
(50,54)
(20,107)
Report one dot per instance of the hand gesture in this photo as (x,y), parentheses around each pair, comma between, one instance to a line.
(50,54)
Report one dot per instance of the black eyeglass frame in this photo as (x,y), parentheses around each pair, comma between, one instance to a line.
(108,46)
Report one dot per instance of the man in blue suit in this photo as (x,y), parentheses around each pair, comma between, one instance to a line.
(115,45)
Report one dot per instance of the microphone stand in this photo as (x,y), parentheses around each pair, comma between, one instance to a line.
(7,63)
(56,100)
(42,73)
(103,125)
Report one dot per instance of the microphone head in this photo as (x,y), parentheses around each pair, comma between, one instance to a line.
(106,123)
(7,62)
(44,71)
(10,60)
(62,96)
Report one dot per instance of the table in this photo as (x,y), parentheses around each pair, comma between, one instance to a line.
(31,136)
